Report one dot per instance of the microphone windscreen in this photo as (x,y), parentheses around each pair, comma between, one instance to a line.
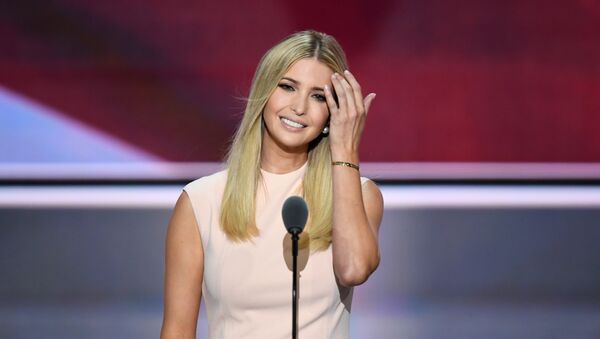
(295,214)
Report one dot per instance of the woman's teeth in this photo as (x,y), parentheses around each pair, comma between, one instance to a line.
(292,123)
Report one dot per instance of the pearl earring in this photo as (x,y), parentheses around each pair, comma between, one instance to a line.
(326,130)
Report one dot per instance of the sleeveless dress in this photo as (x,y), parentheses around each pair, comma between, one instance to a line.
(247,285)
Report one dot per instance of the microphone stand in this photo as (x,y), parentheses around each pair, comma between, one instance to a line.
(295,285)
(294,214)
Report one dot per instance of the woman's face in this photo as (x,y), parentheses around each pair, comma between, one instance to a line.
(297,112)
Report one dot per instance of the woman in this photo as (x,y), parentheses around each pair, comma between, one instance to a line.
(226,240)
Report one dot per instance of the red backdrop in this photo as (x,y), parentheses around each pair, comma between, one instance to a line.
(508,81)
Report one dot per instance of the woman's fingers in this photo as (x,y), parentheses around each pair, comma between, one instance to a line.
(368,101)
(349,94)
(333,108)
(341,94)
(356,92)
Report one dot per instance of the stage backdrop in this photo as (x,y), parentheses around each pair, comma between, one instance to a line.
(470,81)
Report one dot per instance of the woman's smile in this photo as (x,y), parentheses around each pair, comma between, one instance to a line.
(292,125)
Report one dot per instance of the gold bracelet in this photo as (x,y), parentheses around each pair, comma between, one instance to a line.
(343,163)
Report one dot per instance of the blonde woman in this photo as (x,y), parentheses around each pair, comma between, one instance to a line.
(226,241)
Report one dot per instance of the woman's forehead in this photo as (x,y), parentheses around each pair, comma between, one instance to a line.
(309,71)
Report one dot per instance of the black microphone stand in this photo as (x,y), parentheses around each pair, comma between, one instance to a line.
(295,285)
(295,215)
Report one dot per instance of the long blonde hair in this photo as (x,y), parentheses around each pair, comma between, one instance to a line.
(238,207)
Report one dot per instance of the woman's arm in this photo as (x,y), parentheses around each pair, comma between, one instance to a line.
(357,213)
(357,209)
(184,266)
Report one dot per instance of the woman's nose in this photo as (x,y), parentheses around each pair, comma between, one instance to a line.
(299,107)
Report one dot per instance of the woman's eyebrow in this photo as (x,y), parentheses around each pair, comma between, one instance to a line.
(298,83)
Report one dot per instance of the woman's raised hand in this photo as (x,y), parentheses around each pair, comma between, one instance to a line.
(346,120)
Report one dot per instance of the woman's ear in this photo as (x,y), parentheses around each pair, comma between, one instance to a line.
(326,127)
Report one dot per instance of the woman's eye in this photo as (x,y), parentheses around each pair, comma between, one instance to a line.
(286,87)
(319,97)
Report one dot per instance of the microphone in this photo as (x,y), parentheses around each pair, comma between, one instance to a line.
(295,214)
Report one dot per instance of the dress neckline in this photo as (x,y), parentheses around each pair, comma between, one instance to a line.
(280,175)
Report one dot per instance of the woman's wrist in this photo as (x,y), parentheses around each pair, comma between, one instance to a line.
(345,159)
(347,156)
(345,164)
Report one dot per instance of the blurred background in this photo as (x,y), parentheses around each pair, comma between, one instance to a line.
(484,138)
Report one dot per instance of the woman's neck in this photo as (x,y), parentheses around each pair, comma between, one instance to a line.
(281,162)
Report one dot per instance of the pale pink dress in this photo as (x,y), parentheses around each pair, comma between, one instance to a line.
(247,286)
